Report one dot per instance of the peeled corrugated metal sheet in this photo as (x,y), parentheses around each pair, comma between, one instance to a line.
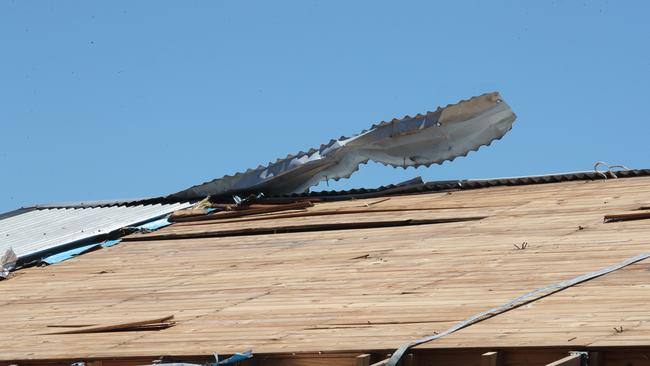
(422,140)
(41,230)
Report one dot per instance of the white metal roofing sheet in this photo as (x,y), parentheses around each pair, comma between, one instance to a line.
(43,229)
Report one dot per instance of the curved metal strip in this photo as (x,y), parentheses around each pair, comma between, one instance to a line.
(427,139)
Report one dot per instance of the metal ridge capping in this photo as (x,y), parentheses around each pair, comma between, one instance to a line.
(425,139)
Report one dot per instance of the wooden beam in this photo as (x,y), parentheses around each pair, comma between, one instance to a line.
(627,216)
(490,359)
(383,362)
(297,228)
(571,360)
(305,213)
(376,202)
(408,360)
(594,358)
(252,211)
(363,360)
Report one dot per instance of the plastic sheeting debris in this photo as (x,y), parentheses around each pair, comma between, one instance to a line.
(144,228)
(60,257)
(155,225)
(237,357)
(234,359)
(7,263)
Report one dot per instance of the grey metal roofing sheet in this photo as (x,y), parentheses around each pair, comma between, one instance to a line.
(40,230)
(422,140)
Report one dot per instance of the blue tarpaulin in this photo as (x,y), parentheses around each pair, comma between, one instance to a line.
(237,357)
(154,225)
(232,360)
(60,257)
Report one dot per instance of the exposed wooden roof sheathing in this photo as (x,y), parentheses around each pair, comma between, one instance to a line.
(354,290)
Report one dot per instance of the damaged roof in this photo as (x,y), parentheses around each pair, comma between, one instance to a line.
(34,231)
(437,272)
(449,132)
(396,268)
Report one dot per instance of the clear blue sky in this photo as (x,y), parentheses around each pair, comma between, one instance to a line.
(120,99)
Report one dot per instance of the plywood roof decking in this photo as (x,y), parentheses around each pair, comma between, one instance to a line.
(355,289)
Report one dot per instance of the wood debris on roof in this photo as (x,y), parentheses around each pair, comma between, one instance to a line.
(357,291)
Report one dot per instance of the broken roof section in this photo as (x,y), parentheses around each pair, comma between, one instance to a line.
(35,231)
(358,291)
(427,139)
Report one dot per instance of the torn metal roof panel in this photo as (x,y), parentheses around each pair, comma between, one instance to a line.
(427,139)
(39,230)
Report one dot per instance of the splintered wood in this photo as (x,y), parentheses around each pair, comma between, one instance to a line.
(148,324)
(354,290)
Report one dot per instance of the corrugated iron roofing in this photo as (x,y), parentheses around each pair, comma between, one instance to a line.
(106,203)
(463,184)
(39,230)
(433,138)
